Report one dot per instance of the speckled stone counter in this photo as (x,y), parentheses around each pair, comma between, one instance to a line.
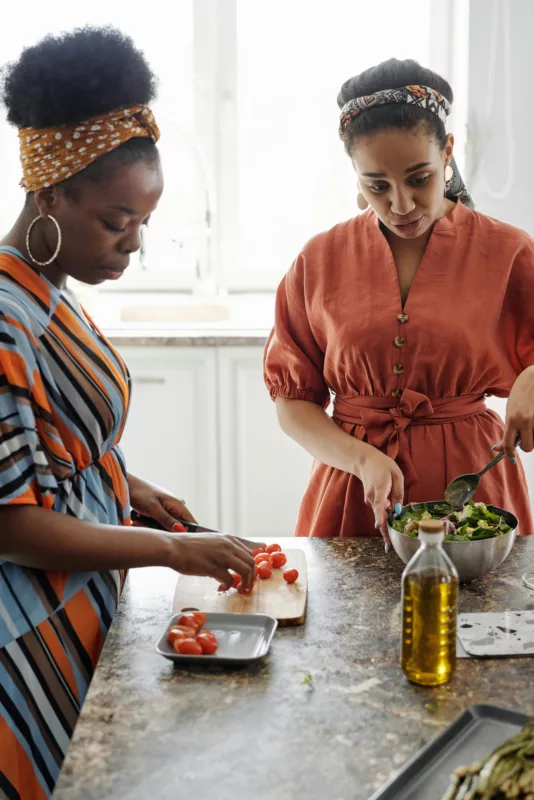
(150,731)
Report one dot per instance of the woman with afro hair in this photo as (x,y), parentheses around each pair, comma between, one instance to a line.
(92,176)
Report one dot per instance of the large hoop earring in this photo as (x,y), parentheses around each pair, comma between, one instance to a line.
(449,175)
(58,246)
(362,202)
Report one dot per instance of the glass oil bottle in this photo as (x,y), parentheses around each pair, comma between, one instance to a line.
(429,610)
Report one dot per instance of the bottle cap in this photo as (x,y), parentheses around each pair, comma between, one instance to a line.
(431,526)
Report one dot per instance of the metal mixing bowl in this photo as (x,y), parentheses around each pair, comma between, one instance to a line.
(472,559)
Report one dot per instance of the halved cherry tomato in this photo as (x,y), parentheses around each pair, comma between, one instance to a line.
(188,647)
(236,581)
(278,560)
(200,618)
(208,633)
(257,551)
(242,590)
(265,569)
(291,575)
(273,548)
(208,643)
(262,557)
(179,632)
(189,620)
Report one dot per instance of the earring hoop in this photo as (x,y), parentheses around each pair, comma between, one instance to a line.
(449,173)
(58,246)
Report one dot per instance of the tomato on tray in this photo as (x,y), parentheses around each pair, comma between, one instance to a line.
(188,647)
(208,643)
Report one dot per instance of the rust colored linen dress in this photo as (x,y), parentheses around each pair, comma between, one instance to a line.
(409,381)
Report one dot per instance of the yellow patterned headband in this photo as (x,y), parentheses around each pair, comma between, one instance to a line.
(51,155)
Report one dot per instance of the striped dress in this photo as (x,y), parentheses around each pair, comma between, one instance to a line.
(64,395)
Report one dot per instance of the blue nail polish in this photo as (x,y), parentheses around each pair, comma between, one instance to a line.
(398,509)
(376,523)
(495,446)
(386,548)
(513,461)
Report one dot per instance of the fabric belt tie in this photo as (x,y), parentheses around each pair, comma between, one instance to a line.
(386,421)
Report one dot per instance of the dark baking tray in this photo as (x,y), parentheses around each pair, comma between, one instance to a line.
(476,733)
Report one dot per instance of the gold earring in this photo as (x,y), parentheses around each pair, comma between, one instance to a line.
(449,173)
(58,246)
(362,202)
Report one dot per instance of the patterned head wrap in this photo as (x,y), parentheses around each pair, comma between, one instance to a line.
(421,97)
(51,155)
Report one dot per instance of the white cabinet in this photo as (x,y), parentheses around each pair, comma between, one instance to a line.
(202,425)
(171,432)
(263,473)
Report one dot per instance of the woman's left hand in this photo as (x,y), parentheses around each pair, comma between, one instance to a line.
(520,415)
(151,501)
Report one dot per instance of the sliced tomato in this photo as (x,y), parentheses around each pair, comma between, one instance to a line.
(188,647)
(189,620)
(242,590)
(200,618)
(179,632)
(278,560)
(208,643)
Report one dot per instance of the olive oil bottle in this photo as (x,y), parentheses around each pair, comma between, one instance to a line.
(429,610)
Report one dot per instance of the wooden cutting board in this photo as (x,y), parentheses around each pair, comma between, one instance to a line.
(283,601)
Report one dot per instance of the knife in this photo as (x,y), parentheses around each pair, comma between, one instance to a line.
(191,527)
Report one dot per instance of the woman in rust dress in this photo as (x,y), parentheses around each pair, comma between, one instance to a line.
(406,316)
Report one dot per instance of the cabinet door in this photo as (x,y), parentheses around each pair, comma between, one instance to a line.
(263,472)
(170,436)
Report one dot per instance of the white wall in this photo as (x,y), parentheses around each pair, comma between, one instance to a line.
(500,156)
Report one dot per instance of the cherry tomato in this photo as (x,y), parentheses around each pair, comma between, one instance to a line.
(208,633)
(179,528)
(236,581)
(273,548)
(242,590)
(188,647)
(189,620)
(208,643)
(200,618)
(291,575)
(179,632)
(262,557)
(265,570)
(257,551)
(279,560)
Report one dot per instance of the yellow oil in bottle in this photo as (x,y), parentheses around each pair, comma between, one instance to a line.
(429,611)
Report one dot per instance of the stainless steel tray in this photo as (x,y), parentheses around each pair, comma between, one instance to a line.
(243,639)
(472,736)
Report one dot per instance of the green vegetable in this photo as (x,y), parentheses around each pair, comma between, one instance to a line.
(508,772)
(473,522)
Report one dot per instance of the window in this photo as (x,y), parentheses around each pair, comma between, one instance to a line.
(248,114)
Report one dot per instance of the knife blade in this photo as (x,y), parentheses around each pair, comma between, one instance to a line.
(191,527)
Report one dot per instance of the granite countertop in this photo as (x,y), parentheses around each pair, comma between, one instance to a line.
(150,731)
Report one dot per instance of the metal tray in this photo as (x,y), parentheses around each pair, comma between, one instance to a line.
(475,734)
(243,639)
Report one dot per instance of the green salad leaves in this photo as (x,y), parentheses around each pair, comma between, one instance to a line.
(471,523)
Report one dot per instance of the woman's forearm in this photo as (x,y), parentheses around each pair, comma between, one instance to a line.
(35,537)
(310,426)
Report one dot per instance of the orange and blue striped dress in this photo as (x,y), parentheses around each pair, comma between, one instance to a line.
(64,395)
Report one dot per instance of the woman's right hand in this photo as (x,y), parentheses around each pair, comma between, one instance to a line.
(383,486)
(213,555)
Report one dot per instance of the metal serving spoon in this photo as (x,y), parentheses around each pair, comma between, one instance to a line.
(461,489)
